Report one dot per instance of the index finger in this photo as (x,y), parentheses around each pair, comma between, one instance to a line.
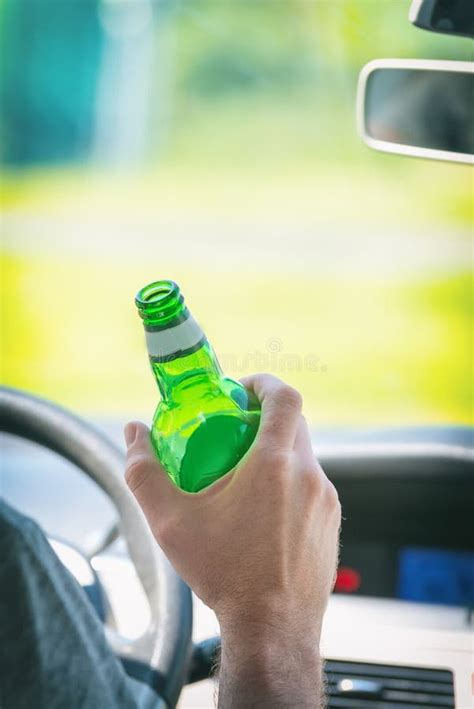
(281,410)
(145,476)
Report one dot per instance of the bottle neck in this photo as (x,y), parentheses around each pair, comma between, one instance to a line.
(176,375)
(180,356)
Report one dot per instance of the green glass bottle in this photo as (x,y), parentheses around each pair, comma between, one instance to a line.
(205,421)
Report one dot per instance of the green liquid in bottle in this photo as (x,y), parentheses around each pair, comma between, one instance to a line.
(205,421)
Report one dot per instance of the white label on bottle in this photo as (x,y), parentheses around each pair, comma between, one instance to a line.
(184,336)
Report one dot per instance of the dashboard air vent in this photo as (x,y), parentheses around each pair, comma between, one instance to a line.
(354,685)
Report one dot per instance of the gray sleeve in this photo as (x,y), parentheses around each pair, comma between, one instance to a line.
(53,651)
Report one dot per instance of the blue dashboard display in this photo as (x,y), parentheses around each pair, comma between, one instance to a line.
(436,576)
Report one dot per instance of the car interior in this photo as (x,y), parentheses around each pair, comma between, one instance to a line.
(398,629)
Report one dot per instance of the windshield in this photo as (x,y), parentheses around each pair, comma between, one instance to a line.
(214,143)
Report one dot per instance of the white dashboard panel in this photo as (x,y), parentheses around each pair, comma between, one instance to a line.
(355,629)
(401,633)
(375,630)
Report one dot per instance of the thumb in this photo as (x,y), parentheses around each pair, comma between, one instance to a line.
(144,475)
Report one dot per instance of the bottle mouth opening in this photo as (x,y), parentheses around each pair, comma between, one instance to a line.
(159,300)
(156,292)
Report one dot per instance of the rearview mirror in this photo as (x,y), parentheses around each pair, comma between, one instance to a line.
(418,107)
(446,16)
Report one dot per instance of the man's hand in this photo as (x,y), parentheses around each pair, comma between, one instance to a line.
(259,547)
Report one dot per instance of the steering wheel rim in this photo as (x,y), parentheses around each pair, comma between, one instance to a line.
(165,646)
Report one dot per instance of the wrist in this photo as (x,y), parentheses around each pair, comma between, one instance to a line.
(269,668)
(269,625)
(264,649)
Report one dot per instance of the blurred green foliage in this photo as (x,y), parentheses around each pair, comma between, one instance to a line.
(362,350)
(252,144)
(295,62)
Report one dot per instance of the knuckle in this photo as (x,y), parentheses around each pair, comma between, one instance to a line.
(289,397)
(311,481)
(280,460)
(274,469)
(136,471)
(166,531)
(332,498)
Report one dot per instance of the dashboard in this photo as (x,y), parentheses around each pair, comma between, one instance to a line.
(407,517)
(405,585)
(410,573)
(436,576)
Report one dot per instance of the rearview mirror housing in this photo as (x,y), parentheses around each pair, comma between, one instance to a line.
(454,17)
(423,108)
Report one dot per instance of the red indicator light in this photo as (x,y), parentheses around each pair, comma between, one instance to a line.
(348,580)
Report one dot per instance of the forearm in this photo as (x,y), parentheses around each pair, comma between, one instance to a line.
(261,671)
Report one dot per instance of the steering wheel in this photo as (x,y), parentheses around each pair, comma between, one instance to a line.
(160,656)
